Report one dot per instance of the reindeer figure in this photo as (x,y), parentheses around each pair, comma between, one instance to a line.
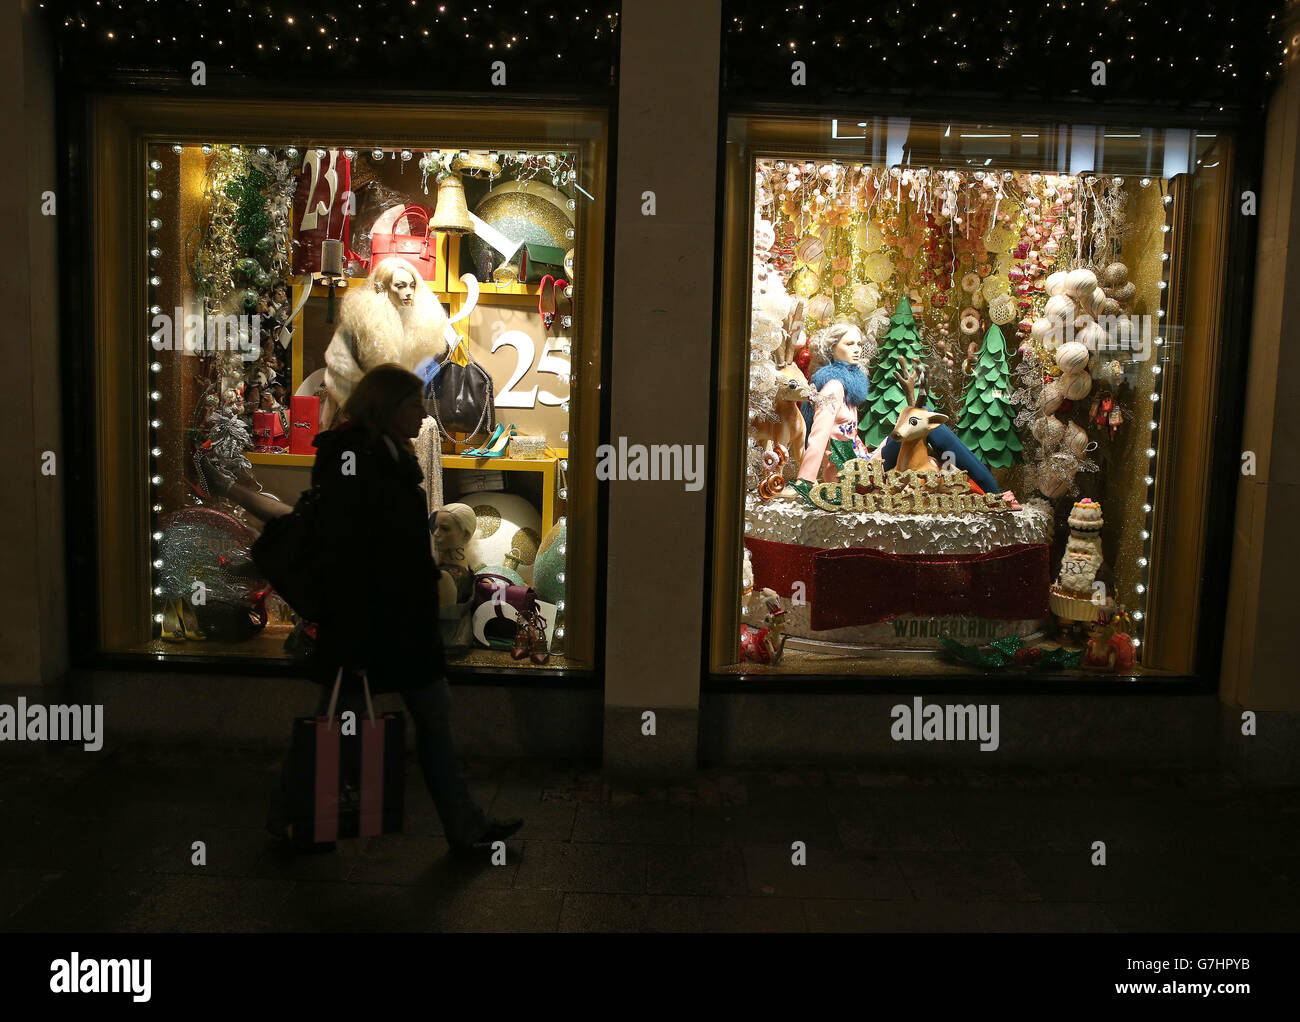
(916,422)
(783,439)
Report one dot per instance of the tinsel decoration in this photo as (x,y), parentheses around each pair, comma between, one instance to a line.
(222,451)
(1012,651)
(558,168)
(187,553)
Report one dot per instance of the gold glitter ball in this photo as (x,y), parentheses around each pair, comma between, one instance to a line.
(878,267)
(489,519)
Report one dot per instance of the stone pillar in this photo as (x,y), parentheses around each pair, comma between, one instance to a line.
(33,599)
(1261,664)
(659,376)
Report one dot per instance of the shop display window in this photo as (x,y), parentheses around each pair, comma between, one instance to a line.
(968,396)
(275,267)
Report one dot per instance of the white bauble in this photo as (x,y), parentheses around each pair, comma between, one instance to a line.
(1080,282)
(1055,283)
(1060,307)
(1056,475)
(1072,356)
(1048,431)
(1076,386)
(509,531)
(1092,337)
(1076,440)
(1050,397)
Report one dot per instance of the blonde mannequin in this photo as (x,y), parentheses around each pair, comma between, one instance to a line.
(455,530)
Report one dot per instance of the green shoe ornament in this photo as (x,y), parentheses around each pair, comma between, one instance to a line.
(842,451)
(801,486)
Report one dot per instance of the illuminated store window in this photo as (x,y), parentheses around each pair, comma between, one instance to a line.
(276,273)
(963,363)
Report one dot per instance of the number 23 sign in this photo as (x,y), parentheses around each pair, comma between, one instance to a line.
(321,206)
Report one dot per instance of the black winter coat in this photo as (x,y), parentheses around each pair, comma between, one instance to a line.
(383,581)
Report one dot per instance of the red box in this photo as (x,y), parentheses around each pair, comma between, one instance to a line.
(268,432)
(304,424)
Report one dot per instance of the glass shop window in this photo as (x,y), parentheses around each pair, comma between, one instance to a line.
(962,360)
(278,276)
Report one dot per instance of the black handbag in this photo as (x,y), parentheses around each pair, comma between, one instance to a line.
(463,399)
(289,558)
(231,621)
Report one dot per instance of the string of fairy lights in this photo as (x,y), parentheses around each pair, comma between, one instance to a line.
(545,44)
(153,196)
(1151,48)
(1159,361)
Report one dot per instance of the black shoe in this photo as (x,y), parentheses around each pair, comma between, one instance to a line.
(497,830)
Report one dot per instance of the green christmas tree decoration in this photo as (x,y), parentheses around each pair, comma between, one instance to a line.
(987,423)
(887,400)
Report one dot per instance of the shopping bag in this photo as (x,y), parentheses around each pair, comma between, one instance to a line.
(347,785)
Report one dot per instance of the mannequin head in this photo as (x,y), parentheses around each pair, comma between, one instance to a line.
(454,528)
(398,280)
(401,289)
(393,318)
(839,343)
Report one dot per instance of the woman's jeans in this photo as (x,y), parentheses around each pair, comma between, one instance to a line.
(463,821)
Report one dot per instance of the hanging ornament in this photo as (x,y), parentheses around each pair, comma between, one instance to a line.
(1002,310)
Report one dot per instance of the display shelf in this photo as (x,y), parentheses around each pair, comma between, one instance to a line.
(455,285)
(525,290)
(257,458)
(546,466)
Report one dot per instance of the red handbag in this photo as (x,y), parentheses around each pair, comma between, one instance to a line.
(416,249)
(268,433)
(501,592)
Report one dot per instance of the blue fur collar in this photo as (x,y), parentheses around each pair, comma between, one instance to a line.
(855,381)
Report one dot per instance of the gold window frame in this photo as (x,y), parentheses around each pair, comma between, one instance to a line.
(1196,297)
(121,128)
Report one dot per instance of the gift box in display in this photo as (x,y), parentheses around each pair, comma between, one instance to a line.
(304,424)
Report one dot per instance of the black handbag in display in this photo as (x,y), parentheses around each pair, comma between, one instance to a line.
(288,557)
(463,398)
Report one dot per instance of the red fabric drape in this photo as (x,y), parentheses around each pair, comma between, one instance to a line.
(862,585)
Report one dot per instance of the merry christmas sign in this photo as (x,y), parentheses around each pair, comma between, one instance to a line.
(864,485)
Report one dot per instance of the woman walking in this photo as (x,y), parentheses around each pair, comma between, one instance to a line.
(382,593)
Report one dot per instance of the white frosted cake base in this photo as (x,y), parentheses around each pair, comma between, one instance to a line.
(793,521)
